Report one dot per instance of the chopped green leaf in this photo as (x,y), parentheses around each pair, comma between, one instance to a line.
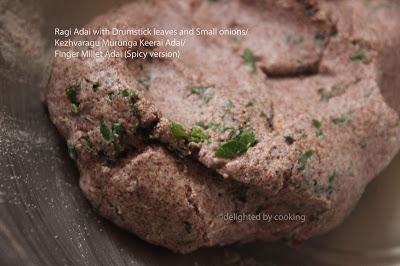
(74,108)
(72,93)
(237,145)
(114,135)
(230,149)
(118,130)
(124,93)
(229,104)
(331,180)
(71,150)
(201,92)
(317,124)
(249,60)
(133,97)
(343,119)
(359,55)
(198,90)
(111,95)
(105,131)
(250,103)
(303,159)
(247,138)
(263,115)
(95,86)
(177,130)
(198,135)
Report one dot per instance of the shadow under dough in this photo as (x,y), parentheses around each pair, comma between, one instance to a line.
(389,74)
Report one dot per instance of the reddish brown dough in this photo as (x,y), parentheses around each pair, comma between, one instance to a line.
(304,81)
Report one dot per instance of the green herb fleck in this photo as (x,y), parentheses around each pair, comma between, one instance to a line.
(74,108)
(72,93)
(105,131)
(331,180)
(111,95)
(250,103)
(201,92)
(303,159)
(95,86)
(229,105)
(247,138)
(237,145)
(249,60)
(118,131)
(317,124)
(124,93)
(343,119)
(114,135)
(133,97)
(230,149)
(197,135)
(358,56)
(177,130)
(198,90)
(71,150)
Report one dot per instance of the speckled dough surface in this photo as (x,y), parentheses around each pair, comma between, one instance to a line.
(287,120)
